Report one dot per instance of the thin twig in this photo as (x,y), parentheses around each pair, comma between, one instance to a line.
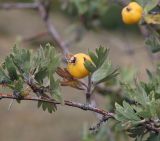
(106,115)
(9,6)
(44,13)
(67,103)
(151,125)
(152,128)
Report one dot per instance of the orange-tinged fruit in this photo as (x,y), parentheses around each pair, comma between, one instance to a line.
(132,13)
(136,6)
(76,66)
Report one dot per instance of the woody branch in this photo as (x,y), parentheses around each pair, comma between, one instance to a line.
(149,125)
(9,6)
(67,103)
(43,7)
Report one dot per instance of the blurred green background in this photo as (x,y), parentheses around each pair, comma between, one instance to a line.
(127,49)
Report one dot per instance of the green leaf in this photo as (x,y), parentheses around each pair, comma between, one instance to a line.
(89,66)
(127,75)
(142,2)
(46,62)
(21,59)
(104,73)
(9,65)
(157,105)
(153,137)
(150,75)
(81,6)
(141,96)
(138,94)
(41,74)
(23,67)
(39,104)
(136,131)
(129,109)
(126,113)
(44,106)
(3,77)
(18,85)
(145,112)
(55,89)
(53,60)
(50,107)
(93,57)
(102,54)
(97,58)
(100,67)
(153,42)
(150,4)
(39,64)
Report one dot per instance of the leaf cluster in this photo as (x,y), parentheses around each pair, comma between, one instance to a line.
(94,13)
(24,67)
(100,68)
(153,42)
(147,102)
(148,5)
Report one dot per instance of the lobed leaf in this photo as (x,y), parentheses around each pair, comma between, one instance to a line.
(104,73)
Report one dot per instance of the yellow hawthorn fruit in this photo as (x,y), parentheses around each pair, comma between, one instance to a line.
(76,66)
(132,13)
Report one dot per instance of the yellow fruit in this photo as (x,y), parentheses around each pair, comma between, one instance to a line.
(136,6)
(76,66)
(132,13)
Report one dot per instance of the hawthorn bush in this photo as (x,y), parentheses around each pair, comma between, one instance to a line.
(39,75)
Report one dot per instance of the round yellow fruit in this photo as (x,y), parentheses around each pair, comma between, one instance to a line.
(76,66)
(132,13)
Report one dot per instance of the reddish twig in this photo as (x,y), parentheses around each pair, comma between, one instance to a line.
(151,127)
(106,115)
(67,103)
